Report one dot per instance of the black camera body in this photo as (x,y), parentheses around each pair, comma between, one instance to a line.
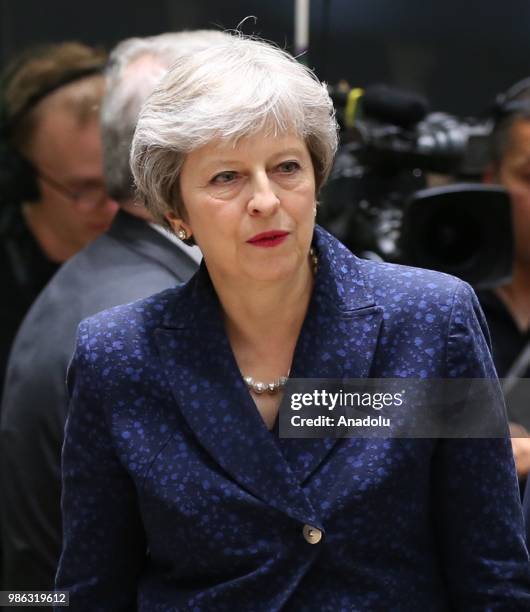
(381,202)
(438,143)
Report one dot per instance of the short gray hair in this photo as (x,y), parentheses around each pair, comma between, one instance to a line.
(135,67)
(235,89)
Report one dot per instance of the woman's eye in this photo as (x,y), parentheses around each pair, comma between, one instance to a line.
(289,167)
(224,177)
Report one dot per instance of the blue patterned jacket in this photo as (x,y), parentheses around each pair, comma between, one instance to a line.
(165,452)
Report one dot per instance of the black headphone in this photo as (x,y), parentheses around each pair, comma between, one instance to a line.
(506,103)
(18,176)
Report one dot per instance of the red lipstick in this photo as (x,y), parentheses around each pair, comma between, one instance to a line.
(268,239)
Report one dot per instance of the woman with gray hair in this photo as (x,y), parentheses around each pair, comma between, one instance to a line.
(178,492)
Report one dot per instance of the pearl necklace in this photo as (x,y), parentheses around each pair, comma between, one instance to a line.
(260,387)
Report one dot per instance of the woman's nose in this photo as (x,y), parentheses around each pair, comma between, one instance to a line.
(263,199)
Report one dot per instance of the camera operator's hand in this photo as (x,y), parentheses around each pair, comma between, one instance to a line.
(521,449)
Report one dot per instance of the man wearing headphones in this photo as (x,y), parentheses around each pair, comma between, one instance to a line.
(52,195)
(507,308)
(134,259)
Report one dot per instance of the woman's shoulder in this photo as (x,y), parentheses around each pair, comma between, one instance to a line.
(138,316)
(419,299)
(120,338)
(387,283)
(391,280)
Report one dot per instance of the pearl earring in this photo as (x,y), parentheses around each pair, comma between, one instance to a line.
(182,234)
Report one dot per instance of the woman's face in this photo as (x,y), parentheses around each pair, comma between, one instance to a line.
(250,207)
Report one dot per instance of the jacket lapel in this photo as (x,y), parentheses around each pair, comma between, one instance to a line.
(338,339)
(212,397)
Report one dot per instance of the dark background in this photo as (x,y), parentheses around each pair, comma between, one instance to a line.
(458,53)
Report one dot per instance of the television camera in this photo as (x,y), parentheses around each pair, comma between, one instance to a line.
(405,188)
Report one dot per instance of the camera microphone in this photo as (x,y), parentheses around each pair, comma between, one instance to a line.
(393,105)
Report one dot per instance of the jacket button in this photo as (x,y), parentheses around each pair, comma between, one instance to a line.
(312,534)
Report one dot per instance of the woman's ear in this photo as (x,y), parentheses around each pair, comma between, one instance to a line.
(179,227)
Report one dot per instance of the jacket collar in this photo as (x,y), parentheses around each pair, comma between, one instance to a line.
(339,284)
(338,340)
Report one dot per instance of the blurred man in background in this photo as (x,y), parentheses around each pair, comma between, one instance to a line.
(52,194)
(134,259)
(507,308)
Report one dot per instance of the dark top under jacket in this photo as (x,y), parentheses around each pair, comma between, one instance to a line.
(25,271)
(130,261)
(165,450)
(508,341)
